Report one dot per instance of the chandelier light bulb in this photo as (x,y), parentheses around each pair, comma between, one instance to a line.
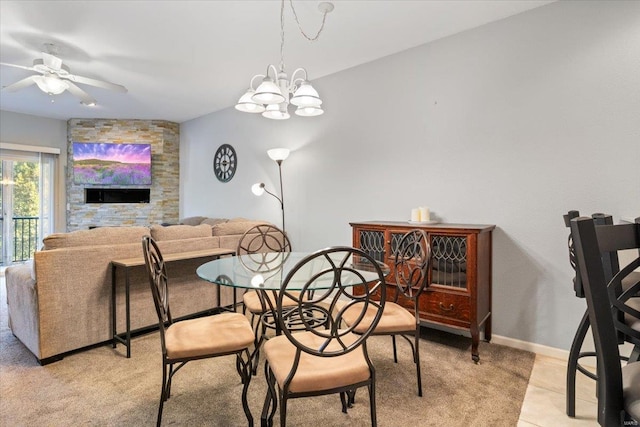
(276,112)
(309,111)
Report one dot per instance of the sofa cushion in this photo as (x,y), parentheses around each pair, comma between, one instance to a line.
(234,227)
(239,219)
(193,220)
(96,237)
(214,221)
(178,232)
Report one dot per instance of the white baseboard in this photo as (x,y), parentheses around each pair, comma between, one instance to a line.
(512,342)
(543,350)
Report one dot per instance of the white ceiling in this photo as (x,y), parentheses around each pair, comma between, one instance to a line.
(183,59)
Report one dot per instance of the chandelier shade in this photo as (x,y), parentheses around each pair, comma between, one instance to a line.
(268,93)
(306,96)
(247,105)
(276,112)
(274,94)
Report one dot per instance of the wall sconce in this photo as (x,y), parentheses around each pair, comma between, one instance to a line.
(278,155)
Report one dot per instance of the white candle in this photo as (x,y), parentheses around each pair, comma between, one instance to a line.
(415,215)
(425,215)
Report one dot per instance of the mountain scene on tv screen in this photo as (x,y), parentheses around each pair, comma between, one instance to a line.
(111,164)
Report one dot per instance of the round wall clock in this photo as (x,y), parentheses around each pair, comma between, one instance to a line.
(225,163)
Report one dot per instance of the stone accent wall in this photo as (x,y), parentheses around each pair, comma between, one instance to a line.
(164,138)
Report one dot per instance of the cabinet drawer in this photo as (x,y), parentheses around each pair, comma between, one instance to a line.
(447,305)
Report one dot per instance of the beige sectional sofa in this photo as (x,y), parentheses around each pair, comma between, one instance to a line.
(61,301)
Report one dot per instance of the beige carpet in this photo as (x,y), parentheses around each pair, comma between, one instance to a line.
(100,387)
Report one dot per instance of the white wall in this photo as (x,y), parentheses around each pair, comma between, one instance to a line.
(513,123)
(25,129)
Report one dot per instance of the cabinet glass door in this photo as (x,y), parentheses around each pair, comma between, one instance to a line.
(449,261)
(372,242)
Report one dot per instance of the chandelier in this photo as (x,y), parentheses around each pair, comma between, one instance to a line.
(276,91)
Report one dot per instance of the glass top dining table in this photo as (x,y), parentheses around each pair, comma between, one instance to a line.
(267,271)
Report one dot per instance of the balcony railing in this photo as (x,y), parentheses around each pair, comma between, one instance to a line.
(25,237)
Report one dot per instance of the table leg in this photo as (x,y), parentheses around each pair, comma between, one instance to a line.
(128,314)
(113,305)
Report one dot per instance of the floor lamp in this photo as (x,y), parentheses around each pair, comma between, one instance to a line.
(278,155)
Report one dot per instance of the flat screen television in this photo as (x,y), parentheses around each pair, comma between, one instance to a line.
(111,164)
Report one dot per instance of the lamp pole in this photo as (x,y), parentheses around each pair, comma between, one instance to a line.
(279,161)
(278,155)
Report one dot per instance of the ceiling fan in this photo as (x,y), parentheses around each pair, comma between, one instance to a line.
(55,77)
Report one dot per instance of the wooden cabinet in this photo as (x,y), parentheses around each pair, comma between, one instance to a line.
(459,291)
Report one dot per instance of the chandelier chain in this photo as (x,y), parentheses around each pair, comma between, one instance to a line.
(295,15)
(282,35)
(273,96)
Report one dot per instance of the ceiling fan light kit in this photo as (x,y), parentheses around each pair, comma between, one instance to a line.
(276,90)
(51,85)
(56,78)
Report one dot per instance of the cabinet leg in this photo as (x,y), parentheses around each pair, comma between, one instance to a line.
(475,341)
(487,329)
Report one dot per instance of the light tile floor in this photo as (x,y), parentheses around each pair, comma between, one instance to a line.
(544,401)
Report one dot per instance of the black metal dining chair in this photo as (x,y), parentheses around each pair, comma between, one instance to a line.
(411,266)
(261,240)
(618,387)
(200,338)
(610,266)
(327,359)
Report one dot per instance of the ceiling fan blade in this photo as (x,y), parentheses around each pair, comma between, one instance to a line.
(84,96)
(19,84)
(18,66)
(51,61)
(96,83)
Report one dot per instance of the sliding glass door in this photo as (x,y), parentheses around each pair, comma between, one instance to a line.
(26,203)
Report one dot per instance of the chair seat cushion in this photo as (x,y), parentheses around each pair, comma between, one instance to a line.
(631,389)
(251,300)
(633,322)
(631,279)
(218,334)
(627,282)
(395,318)
(315,373)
